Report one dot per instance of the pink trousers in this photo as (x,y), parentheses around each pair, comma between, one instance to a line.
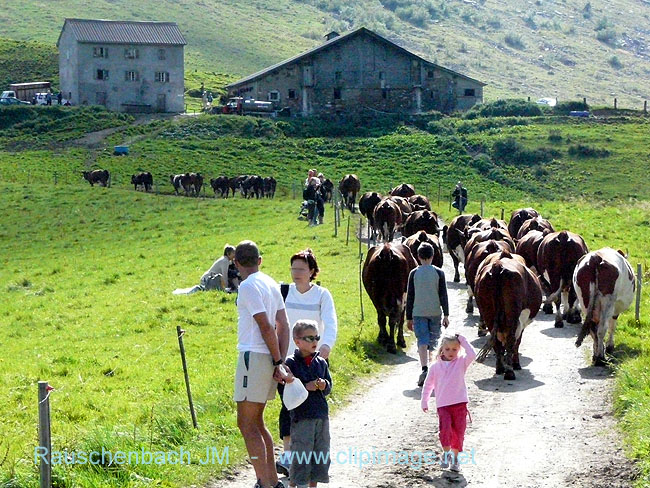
(452,424)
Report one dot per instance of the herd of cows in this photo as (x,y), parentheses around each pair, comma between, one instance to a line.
(511,270)
(249,186)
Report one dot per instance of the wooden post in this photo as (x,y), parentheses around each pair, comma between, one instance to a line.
(482,205)
(347,234)
(639,283)
(179,333)
(584,100)
(44,434)
(336,216)
(439,190)
(450,199)
(615,104)
(529,99)
(502,213)
(361,285)
(360,227)
(645,106)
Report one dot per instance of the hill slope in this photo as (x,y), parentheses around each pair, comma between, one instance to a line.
(595,49)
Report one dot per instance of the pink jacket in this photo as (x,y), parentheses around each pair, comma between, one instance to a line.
(447,378)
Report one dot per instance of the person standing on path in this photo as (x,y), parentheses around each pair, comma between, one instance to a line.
(305,300)
(262,341)
(426,295)
(447,378)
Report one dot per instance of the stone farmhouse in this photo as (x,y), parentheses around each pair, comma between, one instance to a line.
(360,71)
(125,66)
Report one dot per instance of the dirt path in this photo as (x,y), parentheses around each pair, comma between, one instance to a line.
(551,427)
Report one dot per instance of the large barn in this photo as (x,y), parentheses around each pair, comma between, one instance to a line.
(360,71)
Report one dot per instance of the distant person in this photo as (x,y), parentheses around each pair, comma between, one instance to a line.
(426,296)
(315,202)
(48,98)
(447,378)
(310,174)
(59,97)
(262,341)
(310,432)
(460,197)
(34,100)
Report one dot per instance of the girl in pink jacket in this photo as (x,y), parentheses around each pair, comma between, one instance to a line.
(447,377)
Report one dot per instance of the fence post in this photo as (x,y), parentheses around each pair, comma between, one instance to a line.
(502,213)
(584,100)
(347,234)
(336,216)
(450,202)
(639,283)
(439,190)
(360,286)
(179,333)
(645,106)
(44,434)
(482,205)
(615,104)
(360,227)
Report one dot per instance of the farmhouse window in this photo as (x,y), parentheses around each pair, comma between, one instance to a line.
(469,92)
(162,77)
(131,53)
(100,52)
(337,93)
(131,76)
(337,76)
(430,73)
(161,54)
(274,96)
(292,94)
(102,74)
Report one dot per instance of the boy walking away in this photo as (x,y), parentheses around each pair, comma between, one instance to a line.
(426,295)
(447,378)
(310,433)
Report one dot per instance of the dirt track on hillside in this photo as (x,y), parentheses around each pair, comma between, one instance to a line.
(551,427)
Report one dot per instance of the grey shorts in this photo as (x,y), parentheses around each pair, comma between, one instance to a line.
(254,378)
(310,448)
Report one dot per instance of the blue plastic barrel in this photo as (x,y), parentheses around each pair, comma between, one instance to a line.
(121,150)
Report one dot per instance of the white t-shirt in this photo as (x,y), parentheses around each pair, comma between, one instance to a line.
(220,266)
(315,304)
(257,293)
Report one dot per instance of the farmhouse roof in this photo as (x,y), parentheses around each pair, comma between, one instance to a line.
(340,39)
(124,32)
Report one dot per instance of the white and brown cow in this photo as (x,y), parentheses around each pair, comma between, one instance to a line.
(518,217)
(455,239)
(508,296)
(604,283)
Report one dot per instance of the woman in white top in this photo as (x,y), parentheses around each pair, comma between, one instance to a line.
(306,301)
(220,266)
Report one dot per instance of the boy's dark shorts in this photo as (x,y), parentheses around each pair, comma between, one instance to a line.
(310,448)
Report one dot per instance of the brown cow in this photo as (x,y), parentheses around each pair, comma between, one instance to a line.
(387,218)
(349,186)
(326,190)
(473,261)
(425,220)
(403,204)
(518,217)
(455,239)
(404,190)
(385,278)
(419,202)
(604,283)
(538,223)
(528,246)
(557,257)
(485,224)
(101,176)
(508,296)
(413,242)
(367,204)
(495,233)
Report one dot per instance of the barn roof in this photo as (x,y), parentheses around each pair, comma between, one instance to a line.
(124,32)
(341,39)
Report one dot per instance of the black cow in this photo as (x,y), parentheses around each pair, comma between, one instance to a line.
(145,179)
(101,176)
(220,186)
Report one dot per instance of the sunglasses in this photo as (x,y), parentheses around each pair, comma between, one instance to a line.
(310,338)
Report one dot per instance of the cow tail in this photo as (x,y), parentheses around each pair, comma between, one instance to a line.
(586,325)
(500,319)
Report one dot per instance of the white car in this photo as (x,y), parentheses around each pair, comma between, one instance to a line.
(551,102)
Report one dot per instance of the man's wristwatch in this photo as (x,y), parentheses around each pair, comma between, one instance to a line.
(278,362)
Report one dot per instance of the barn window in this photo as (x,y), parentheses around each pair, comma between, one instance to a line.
(161,54)
(131,76)
(338,76)
(274,96)
(100,52)
(292,94)
(469,92)
(162,77)
(337,93)
(102,74)
(131,53)
(430,74)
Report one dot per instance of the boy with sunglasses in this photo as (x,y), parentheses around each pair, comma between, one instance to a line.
(310,433)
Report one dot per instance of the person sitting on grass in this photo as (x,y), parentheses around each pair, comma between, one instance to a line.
(219,270)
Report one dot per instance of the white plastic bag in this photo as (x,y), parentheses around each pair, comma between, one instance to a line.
(295,394)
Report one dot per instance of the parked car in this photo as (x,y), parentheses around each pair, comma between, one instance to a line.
(551,102)
(8,94)
(41,99)
(12,101)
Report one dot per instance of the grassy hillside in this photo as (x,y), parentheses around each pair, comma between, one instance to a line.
(594,49)
(22,61)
